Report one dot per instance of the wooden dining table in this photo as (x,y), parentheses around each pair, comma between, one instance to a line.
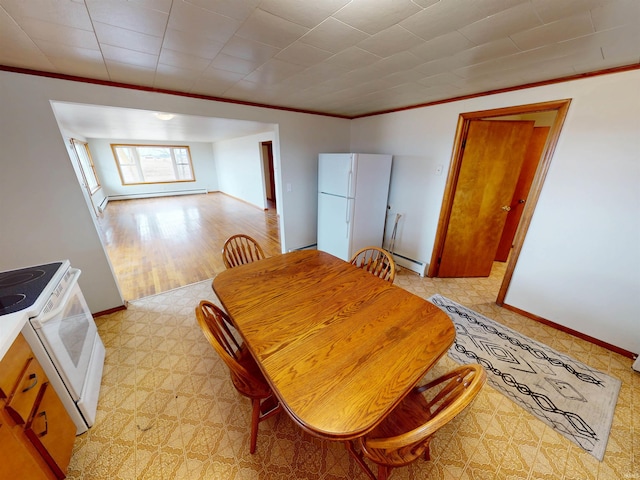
(339,346)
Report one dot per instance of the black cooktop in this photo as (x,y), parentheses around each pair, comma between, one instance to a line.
(19,289)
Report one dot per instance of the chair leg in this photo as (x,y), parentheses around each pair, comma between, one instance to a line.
(267,405)
(358,458)
(255,419)
(427,453)
(383,472)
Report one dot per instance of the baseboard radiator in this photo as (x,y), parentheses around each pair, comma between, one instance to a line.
(410,264)
(157,194)
(103,204)
(307,247)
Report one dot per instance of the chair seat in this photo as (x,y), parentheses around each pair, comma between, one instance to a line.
(257,387)
(406,431)
(410,414)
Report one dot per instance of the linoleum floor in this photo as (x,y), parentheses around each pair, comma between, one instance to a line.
(168,410)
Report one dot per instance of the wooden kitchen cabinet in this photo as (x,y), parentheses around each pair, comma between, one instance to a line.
(36,432)
(16,459)
(20,402)
(12,365)
(52,437)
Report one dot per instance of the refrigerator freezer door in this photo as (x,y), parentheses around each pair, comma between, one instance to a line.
(335,225)
(336,174)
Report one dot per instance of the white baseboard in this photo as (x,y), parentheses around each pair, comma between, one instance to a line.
(409,263)
(307,247)
(103,204)
(636,364)
(157,194)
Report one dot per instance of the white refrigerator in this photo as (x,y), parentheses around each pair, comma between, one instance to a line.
(352,201)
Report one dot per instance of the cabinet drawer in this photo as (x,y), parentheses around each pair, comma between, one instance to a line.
(21,401)
(15,460)
(51,431)
(13,364)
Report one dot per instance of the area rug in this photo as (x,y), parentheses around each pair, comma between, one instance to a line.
(569,396)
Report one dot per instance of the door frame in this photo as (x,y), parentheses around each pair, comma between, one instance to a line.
(561,108)
(266,155)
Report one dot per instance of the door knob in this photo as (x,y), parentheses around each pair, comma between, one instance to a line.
(506,208)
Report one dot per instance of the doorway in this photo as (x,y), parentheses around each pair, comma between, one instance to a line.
(266,150)
(459,177)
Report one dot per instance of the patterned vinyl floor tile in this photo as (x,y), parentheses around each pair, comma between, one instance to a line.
(168,410)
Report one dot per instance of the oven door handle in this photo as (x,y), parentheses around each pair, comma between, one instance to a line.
(62,304)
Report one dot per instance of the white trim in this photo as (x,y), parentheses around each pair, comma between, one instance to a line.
(103,204)
(156,194)
(409,263)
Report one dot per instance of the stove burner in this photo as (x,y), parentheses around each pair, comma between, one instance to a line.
(18,278)
(7,301)
(21,288)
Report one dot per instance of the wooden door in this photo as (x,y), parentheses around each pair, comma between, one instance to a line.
(490,167)
(269,173)
(528,171)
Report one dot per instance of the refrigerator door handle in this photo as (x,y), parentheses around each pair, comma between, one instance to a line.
(349,183)
(349,215)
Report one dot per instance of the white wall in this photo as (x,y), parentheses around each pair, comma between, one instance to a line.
(580,263)
(204,169)
(43,215)
(299,173)
(240,169)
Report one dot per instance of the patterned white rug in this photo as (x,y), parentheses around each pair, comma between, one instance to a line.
(569,396)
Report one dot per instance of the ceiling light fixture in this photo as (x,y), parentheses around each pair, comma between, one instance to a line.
(164,116)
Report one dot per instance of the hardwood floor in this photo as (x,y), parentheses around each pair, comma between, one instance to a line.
(157,244)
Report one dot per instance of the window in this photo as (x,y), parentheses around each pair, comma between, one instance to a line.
(153,163)
(86,165)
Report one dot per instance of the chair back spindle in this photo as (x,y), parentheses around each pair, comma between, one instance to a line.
(376,261)
(241,249)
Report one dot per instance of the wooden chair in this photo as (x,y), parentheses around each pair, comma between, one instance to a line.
(376,261)
(245,373)
(404,435)
(240,249)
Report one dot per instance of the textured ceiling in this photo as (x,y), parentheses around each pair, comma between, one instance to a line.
(339,57)
(96,121)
